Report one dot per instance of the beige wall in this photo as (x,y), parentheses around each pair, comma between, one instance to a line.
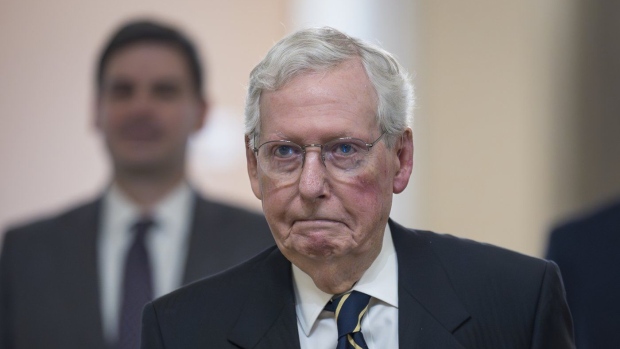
(494,84)
(49,151)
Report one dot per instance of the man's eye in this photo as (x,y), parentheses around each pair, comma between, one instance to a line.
(344,149)
(166,91)
(284,151)
(121,91)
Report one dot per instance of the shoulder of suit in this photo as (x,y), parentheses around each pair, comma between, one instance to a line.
(463,254)
(45,225)
(229,281)
(472,246)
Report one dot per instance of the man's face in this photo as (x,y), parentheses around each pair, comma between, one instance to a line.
(321,217)
(148,107)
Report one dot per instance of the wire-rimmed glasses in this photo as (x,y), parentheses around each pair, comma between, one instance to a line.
(283,160)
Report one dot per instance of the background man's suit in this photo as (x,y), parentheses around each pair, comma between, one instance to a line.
(453,293)
(57,257)
(587,250)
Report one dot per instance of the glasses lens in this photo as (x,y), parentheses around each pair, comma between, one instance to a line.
(345,154)
(280,158)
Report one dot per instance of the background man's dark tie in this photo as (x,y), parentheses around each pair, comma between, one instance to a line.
(349,310)
(137,287)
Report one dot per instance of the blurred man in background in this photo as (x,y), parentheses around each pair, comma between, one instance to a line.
(81,278)
(587,250)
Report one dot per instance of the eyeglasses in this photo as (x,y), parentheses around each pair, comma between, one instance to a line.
(283,160)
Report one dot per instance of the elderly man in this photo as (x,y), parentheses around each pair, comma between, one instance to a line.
(328,146)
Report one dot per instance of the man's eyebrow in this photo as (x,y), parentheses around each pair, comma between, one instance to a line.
(117,81)
(168,80)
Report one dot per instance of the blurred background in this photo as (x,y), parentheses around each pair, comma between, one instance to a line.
(516,123)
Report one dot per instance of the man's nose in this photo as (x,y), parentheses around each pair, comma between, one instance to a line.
(313,178)
(142,102)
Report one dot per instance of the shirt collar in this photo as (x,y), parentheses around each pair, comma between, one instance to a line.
(380,281)
(124,212)
(169,211)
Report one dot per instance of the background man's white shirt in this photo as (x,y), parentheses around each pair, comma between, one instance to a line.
(166,242)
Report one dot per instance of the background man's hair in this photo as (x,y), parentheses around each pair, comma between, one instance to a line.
(148,31)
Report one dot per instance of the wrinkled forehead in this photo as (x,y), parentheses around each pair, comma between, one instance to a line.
(346,82)
(331,101)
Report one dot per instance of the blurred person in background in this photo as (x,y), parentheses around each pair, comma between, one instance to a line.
(587,250)
(80,279)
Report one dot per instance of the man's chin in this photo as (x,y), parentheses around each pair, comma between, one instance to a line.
(318,245)
(141,165)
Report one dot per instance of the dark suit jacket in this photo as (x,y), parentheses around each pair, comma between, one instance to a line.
(587,250)
(453,293)
(49,287)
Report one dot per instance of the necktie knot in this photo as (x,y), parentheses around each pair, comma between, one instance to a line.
(349,309)
(142,226)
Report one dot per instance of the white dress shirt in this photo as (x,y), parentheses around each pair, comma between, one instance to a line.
(317,327)
(167,244)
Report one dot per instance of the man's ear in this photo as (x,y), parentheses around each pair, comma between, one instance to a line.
(202,112)
(404,155)
(252,168)
(97,113)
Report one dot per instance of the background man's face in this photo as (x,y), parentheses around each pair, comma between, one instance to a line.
(148,107)
(320,217)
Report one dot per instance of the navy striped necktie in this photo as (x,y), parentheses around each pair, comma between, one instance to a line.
(137,287)
(349,309)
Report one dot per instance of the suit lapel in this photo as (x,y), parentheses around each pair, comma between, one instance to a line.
(199,251)
(429,309)
(80,276)
(207,240)
(268,318)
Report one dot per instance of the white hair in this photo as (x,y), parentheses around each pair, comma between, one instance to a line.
(319,49)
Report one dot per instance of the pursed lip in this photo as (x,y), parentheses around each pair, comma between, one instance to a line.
(317,222)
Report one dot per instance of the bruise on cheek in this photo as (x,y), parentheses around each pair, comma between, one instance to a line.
(372,191)
(370,179)
(366,194)
(364,182)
